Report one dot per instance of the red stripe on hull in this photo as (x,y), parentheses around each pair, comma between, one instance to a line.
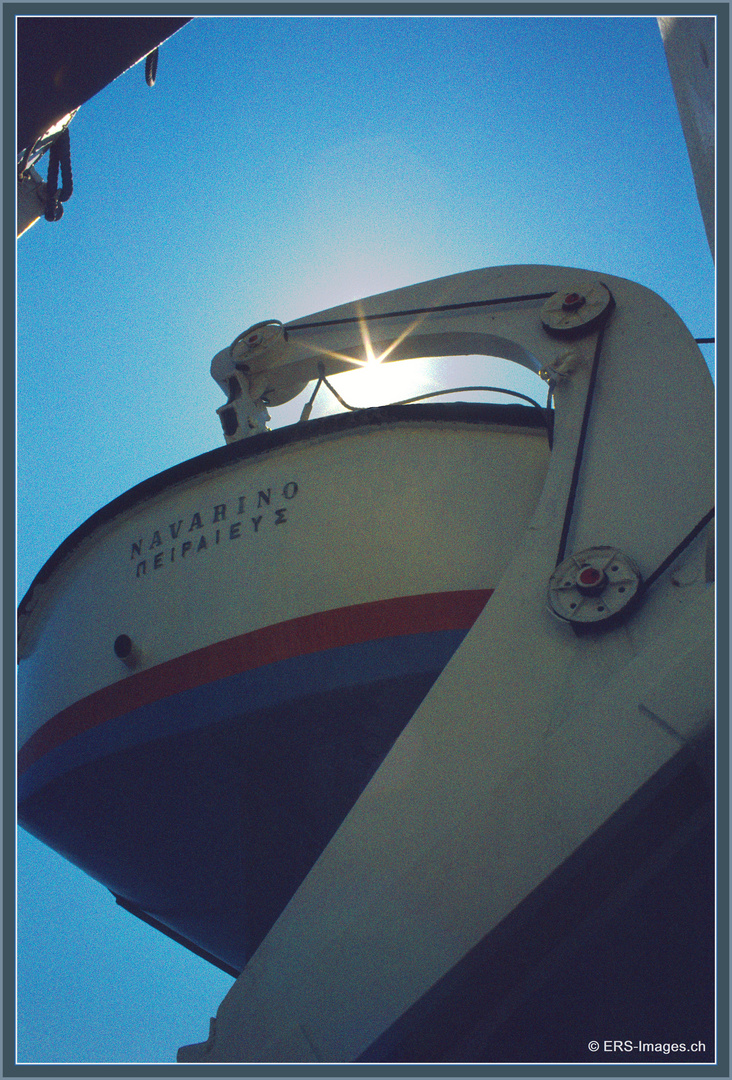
(296,637)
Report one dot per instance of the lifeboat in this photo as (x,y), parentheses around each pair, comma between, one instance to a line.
(230,649)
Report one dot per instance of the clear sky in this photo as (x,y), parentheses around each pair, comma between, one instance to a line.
(278,167)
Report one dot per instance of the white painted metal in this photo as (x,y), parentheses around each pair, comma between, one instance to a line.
(30,204)
(690,51)
(512,331)
(531,737)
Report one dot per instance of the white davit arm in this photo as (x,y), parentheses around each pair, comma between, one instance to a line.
(522,313)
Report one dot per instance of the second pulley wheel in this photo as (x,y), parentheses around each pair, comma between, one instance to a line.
(577,312)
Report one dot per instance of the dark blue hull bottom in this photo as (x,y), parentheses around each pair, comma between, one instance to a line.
(211,831)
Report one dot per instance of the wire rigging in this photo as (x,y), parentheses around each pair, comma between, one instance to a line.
(546,413)
(421,311)
(323,381)
(574,483)
(677,550)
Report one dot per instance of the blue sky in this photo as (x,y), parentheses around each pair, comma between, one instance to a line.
(278,167)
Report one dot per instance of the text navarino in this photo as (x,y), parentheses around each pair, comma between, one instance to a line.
(203,529)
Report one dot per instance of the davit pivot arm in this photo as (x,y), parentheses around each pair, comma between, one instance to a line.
(533,735)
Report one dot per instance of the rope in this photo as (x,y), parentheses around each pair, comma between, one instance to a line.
(677,551)
(305,414)
(59,156)
(581,445)
(550,416)
(462,389)
(671,558)
(334,392)
(151,67)
(422,311)
(322,380)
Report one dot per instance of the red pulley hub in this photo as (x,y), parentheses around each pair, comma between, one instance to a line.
(573,302)
(591,581)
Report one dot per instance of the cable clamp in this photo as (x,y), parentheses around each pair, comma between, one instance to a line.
(561,368)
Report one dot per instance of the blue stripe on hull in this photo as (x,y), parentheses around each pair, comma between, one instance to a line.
(268,686)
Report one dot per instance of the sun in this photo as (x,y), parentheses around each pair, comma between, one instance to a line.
(378,382)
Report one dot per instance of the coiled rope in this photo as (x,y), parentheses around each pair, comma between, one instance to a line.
(59,157)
